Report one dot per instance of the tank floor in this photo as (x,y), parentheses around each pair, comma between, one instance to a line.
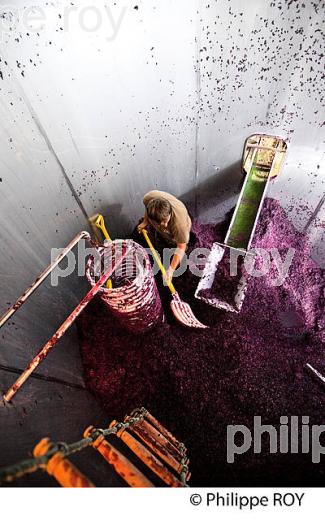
(197,382)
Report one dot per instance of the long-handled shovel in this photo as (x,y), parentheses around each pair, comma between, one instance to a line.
(181,310)
(97,222)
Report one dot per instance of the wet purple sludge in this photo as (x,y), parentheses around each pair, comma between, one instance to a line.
(198,382)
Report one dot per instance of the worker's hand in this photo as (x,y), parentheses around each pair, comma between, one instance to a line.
(169,274)
(142,226)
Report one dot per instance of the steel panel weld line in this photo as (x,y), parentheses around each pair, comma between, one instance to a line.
(314,214)
(198,100)
(41,377)
(47,140)
(62,329)
(40,279)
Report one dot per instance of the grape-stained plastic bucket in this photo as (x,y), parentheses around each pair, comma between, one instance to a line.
(134,297)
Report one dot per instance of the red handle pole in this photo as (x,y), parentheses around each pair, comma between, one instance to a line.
(62,329)
(40,279)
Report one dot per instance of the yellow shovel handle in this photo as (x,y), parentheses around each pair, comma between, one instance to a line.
(156,257)
(100,223)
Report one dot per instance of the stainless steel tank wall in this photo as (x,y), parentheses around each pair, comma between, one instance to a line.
(100,104)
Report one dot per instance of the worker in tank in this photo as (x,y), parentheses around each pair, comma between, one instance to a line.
(167,220)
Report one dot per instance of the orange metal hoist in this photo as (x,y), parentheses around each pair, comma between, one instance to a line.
(163,457)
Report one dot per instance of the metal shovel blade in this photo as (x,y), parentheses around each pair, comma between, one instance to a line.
(184,314)
(204,289)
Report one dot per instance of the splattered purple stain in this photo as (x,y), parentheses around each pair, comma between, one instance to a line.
(246,364)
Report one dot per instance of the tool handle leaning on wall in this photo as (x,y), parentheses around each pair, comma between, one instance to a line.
(159,262)
(63,328)
(101,225)
(99,222)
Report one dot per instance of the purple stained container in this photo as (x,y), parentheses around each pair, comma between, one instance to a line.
(134,298)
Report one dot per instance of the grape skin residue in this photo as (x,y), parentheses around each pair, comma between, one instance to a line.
(196,382)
